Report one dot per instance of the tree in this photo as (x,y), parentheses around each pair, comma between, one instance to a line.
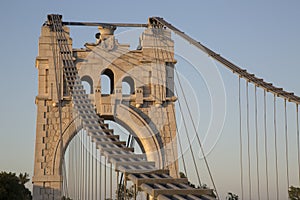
(66,198)
(232,196)
(24,178)
(13,188)
(182,175)
(129,192)
(294,193)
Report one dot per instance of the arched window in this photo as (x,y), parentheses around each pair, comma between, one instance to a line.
(127,86)
(87,83)
(107,82)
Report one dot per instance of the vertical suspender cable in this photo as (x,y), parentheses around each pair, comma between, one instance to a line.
(78,168)
(96,172)
(92,153)
(80,157)
(65,184)
(110,181)
(74,194)
(266,144)
(86,168)
(76,148)
(190,145)
(298,140)
(180,146)
(100,177)
(276,152)
(118,186)
(128,144)
(70,175)
(83,166)
(105,178)
(89,167)
(256,142)
(197,136)
(241,140)
(73,167)
(286,145)
(182,153)
(248,140)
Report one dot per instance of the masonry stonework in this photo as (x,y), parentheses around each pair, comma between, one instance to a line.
(147,112)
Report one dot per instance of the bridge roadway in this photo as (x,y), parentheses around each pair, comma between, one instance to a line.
(155,182)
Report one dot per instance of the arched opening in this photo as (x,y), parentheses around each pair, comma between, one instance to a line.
(87,83)
(127,86)
(107,82)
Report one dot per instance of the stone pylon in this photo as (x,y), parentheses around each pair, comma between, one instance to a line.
(147,111)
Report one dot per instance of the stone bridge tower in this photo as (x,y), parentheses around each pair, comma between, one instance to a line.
(146,109)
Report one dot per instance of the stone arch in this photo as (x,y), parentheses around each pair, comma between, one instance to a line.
(68,133)
(130,82)
(143,130)
(89,80)
(110,74)
(148,136)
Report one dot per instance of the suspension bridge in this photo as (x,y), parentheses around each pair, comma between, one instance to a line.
(78,155)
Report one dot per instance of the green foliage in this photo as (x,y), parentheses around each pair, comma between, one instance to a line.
(65,198)
(12,187)
(182,175)
(232,196)
(294,193)
(24,178)
(129,192)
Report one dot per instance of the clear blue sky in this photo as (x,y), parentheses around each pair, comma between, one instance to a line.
(261,36)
